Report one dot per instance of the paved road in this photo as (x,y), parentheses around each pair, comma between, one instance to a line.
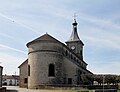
(17,89)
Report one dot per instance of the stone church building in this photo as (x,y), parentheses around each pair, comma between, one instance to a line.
(51,62)
(1,69)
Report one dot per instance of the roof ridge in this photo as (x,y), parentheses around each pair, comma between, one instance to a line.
(45,37)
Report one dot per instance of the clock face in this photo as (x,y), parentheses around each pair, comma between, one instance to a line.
(72,47)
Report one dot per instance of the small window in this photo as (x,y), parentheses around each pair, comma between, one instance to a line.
(28,70)
(51,70)
(66,53)
(10,82)
(77,61)
(69,80)
(81,63)
(81,52)
(63,53)
(64,80)
(74,58)
(26,80)
(71,56)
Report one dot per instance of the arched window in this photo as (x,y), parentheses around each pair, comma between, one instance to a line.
(77,60)
(74,58)
(81,52)
(71,56)
(66,53)
(51,71)
(28,70)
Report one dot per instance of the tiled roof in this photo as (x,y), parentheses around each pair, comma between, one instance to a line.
(45,37)
(26,61)
(10,77)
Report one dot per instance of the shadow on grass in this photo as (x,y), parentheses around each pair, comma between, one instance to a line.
(11,90)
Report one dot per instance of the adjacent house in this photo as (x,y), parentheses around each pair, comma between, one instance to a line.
(23,74)
(10,80)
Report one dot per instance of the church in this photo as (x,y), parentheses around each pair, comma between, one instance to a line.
(53,63)
(1,69)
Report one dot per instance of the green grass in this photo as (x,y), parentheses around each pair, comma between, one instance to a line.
(83,91)
(79,91)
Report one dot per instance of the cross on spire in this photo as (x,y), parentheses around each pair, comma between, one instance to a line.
(74,36)
(74,16)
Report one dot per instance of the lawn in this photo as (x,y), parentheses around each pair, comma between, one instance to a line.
(79,91)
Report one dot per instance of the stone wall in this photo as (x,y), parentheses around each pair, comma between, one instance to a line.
(1,68)
(23,74)
(40,56)
(69,70)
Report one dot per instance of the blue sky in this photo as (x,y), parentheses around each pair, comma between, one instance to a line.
(98,27)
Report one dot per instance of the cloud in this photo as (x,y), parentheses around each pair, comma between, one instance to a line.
(43,8)
(105,68)
(100,37)
(7,47)
(8,36)
(10,63)
(103,42)
(11,58)
(19,23)
(99,21)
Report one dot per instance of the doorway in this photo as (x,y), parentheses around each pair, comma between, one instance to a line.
(69,80)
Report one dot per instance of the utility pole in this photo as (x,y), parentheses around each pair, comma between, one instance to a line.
(15,78)
(103,82)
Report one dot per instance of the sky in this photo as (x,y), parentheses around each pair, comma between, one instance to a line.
(21,21)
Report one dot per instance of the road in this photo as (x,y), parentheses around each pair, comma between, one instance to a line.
(17,89)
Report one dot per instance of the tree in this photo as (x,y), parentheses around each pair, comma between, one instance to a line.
(108,79)
(118,79)
(87,79)
(99,79)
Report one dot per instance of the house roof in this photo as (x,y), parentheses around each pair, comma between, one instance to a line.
(11,77)
(26,61)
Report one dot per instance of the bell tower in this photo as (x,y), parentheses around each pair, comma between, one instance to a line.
(74,42)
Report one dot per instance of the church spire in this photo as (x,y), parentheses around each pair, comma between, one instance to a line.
(74,36)
(74,42)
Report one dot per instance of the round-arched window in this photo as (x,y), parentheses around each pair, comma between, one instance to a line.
(51,71)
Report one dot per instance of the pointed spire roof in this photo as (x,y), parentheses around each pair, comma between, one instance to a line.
(74,36)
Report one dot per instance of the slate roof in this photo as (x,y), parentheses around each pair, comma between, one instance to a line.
(1,67)
(74,36)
